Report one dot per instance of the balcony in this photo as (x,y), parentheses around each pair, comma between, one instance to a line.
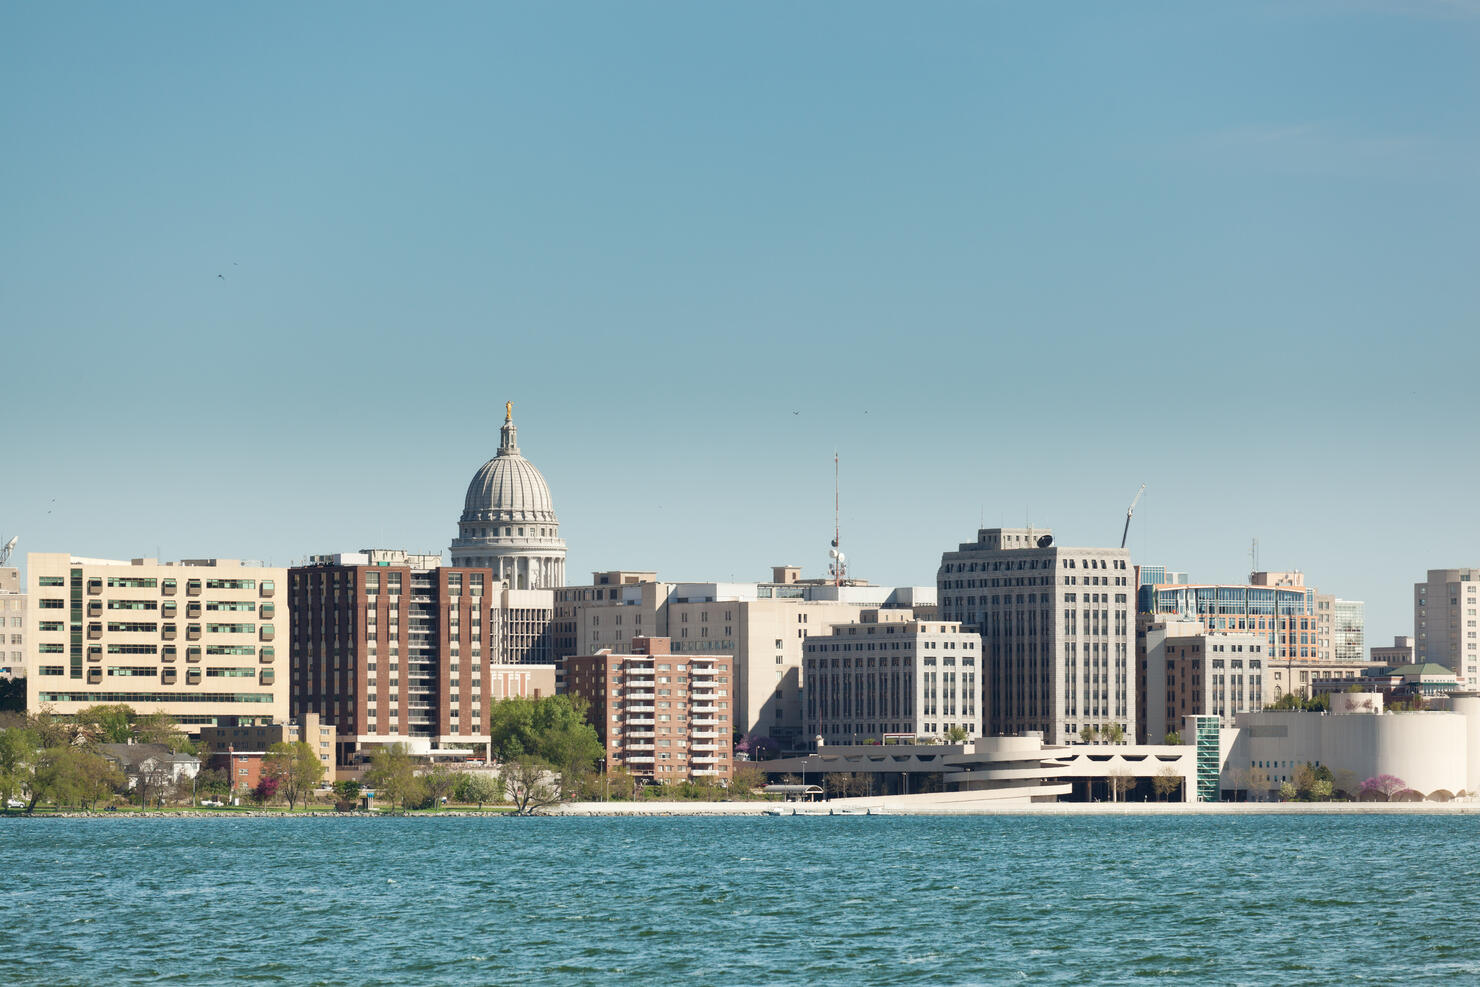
(704,734)
(192,588)
(94,631)
(703,771)
(638,759)
(702,708)
(640,695)
(94,587)
(640,709)
(192,632)
(265,632)
(640,721)
(167,587)
(704,747)
(94,608)
(168,632)
(703,758)
(168,610)
(167,676)
(639,747)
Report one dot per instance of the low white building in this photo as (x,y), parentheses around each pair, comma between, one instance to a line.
(1429,751)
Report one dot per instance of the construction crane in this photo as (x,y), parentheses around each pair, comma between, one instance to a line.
(1128,512)
(9,547)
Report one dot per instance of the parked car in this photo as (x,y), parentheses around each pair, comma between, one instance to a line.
(14,804)
(211,803)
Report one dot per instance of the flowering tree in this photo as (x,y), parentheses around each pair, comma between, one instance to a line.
(1385,785)
(265,791)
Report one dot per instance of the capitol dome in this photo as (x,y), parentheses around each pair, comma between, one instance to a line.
(508,522)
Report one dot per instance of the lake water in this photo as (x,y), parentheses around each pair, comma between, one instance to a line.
(818,900)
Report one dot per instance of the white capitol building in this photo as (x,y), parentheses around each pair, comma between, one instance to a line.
(508,522)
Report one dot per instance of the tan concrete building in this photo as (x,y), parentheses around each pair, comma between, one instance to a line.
(762,625)
(662,715)
(1191,671)
(196,639)
(1056,630)
(890,674)
(1400,652)
(1446,622)
(12,624)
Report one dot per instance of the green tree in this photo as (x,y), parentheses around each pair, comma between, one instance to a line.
(532,784)
(746,781)
(347,792)
(73,776)
(479,788)
(1112,733)
(957,735)
(17,762)
(106,723)
(296,769)
(1288,791)
(1088,734)
(553,729)
(392,775)
(439,781)
(1166,781)
(12,695)
(1173,737)
(212,781)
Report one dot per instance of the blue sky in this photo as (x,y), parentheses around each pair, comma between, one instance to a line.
(269,272)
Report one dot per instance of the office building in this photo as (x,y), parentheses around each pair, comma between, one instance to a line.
(661,715)
(888,673)
(1445,622)
(1191,671)
(1348,631)
(1055,628)
(196,639)
(762,625)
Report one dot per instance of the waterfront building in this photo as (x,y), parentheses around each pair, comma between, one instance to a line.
(155,765)
(1399,653)
(1430,752)
(1445,622)
(661,715)
(1191,671)
(196,639)
(394,648)
(12,624)
(1004,771)
(238,749)
(1055,628)
(762,625)
(889,673)
(508,523)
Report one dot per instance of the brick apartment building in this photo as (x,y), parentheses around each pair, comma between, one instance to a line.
(661,715)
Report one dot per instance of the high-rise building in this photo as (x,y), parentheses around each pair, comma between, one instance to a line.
(12,624)
(1055,628)
(761,625)
(1348,630)
(889,673)
(392,648)
(1284,613)
(1445,622)
(661,715)
(508,523)
(195,639)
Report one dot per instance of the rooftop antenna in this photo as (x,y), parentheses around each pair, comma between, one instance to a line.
(1254,555)
(1128,512)
(838,568)
(9,547)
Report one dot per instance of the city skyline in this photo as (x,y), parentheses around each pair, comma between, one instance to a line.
(992,257)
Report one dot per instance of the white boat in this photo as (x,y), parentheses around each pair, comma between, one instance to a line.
(774,812)
(850,811)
